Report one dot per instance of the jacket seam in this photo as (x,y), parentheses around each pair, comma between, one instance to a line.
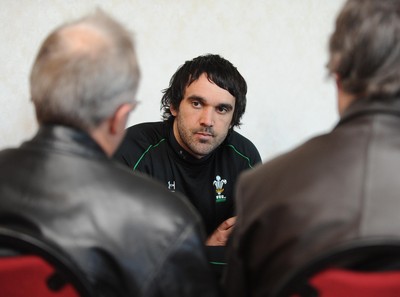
(240,154)
(183,236)
(151,146)
(366,171)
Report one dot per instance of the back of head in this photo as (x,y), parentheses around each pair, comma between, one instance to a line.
(365,48)
(83,72)
(218,70)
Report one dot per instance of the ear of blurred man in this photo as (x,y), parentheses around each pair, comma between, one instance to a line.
(111,132)
(344,99)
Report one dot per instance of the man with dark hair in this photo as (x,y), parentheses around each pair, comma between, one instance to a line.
(337,187)
(128,234)
(195,150)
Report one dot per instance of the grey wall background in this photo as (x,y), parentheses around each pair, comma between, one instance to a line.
(280,47)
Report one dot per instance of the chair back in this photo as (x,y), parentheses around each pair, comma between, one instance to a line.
(31,265)
(367,268)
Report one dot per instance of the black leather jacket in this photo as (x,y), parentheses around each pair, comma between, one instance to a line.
(334,188)
(128,233)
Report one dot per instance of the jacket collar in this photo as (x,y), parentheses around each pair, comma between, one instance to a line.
(362,107)
(66,140)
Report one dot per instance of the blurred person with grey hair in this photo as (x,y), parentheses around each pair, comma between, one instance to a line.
(129,235)
(338,187)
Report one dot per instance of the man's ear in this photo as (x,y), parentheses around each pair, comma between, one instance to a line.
(120,118)
(344,99)
(338,81)
(173,110)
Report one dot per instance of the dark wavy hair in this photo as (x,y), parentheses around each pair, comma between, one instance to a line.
(365,48)
(219,71)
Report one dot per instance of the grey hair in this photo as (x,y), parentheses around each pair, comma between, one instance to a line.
(83,72)
(365,48)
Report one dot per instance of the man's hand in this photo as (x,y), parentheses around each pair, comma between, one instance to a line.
(221,235)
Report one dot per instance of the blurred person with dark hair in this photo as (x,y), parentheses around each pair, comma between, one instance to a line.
(129,235)
(336,187)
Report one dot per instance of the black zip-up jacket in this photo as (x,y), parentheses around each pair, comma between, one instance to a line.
(127,233)
(208,182)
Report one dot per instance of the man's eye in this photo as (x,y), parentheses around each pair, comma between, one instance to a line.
(196,104)
(222,109)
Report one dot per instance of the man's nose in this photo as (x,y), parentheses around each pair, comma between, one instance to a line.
(207,117)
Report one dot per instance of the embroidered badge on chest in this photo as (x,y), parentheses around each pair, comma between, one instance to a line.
(219,188)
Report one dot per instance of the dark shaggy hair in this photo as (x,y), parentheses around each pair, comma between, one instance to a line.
(219,71)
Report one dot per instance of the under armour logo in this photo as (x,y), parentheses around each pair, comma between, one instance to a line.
(171,186)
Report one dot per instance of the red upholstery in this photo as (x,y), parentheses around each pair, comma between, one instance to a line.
(26,275)
(345,283)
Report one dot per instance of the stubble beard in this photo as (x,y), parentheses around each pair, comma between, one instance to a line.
(202,147)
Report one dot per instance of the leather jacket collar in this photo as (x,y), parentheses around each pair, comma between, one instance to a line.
(361,107)
(65,140)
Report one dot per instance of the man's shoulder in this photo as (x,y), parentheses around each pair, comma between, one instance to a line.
(236,138)
(147,129)
(242,147)
(312,152)
(138,139)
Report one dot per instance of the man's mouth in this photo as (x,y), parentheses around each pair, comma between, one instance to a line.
(205,134)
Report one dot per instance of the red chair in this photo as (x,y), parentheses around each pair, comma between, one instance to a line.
(32,266)
(367,268)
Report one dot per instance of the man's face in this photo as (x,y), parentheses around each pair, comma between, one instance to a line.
(203,118)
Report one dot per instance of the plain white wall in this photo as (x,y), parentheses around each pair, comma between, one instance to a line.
(280,47)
